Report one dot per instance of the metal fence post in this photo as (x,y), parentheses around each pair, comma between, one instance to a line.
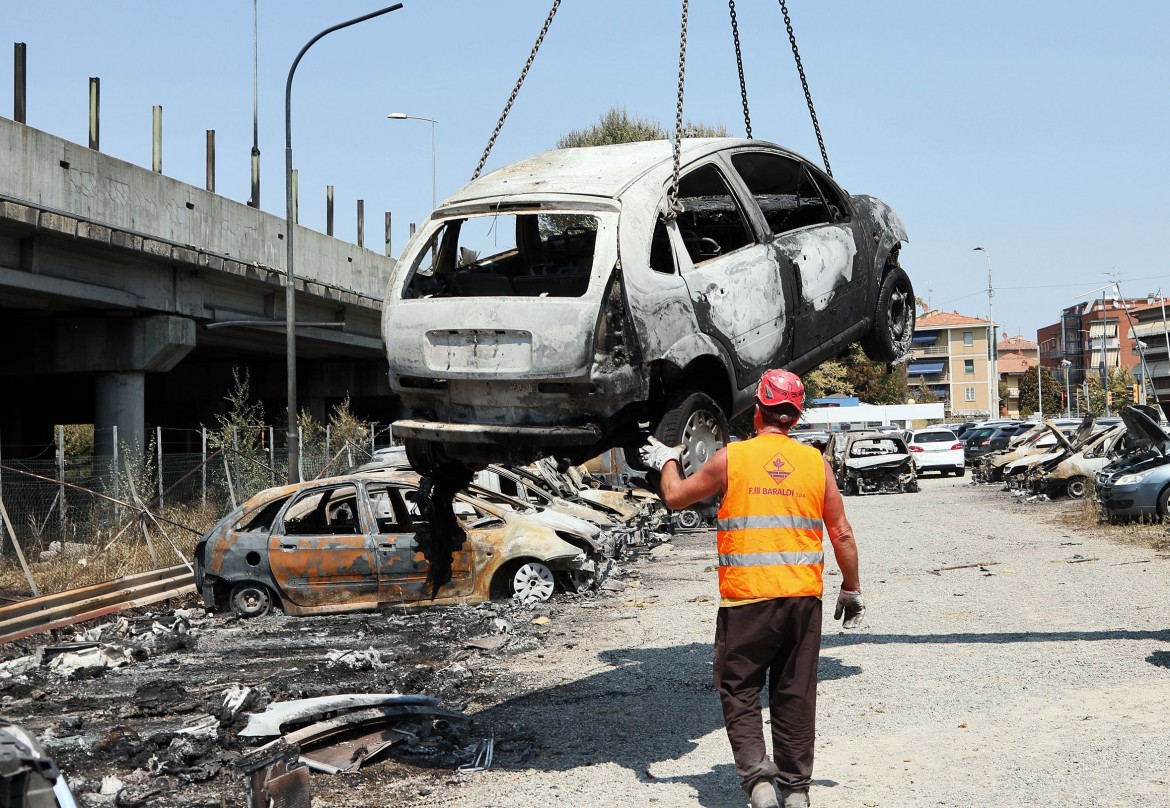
(271,456)
(236,453)
(328,442)
(203,468)
(61,475)
(373,439)
(158,449)
(300,453)
(114,466)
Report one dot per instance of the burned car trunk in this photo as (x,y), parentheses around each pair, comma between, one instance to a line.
(871,463)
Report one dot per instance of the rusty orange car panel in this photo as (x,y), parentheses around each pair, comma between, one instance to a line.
(349,544)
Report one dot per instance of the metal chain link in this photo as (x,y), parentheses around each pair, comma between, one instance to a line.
(516,90)
(747,119)
(673,208)
(804,84)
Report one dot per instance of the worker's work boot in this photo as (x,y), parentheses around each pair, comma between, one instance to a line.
(764,795)
(794,798)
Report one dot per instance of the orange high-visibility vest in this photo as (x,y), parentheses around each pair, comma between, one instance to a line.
(771,522)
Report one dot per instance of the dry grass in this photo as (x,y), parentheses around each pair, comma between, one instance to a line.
(108,556)
(1085,516)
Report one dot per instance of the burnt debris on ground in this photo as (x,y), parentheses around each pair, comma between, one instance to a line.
(150,709)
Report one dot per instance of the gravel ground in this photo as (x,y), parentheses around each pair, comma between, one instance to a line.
(1042,678)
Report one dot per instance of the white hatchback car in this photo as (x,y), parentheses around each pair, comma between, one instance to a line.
(936,449)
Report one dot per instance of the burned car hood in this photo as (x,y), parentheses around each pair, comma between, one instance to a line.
(1144,431)
(877,461)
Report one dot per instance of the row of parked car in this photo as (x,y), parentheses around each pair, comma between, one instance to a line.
(1123,462)
(358,541)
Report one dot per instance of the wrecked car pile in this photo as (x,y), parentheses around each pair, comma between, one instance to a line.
(360,540)
(1125,465)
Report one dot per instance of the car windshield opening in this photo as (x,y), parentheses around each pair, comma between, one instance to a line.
(503,255)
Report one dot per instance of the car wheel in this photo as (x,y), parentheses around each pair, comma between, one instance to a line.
(578,581)
(689,519)
(893,323)
(1164,502)
(250,599)
(1077,486)
(961,472)
(533,582)
(695,421)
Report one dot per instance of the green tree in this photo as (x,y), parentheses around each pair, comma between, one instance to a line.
(618,126)
(871,382)
(1051,390)
(827,379)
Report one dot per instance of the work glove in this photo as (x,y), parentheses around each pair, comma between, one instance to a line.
(851,605)
(656,454)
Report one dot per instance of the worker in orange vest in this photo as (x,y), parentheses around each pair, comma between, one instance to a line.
(779,497)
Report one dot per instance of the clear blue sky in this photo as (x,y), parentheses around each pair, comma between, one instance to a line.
(1037,129)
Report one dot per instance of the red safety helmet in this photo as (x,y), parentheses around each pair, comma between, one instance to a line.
(780,387)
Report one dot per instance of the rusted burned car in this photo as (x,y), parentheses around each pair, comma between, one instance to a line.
(1073,475)
(871,463)
(554,307)
(352,543)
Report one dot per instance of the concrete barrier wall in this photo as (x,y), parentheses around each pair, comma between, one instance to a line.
(51,173)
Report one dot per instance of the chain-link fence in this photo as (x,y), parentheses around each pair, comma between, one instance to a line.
(61,504)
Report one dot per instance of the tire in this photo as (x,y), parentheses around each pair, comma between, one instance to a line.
(532,582)
(1164,502)
(696,421)
(961,472)
(1077,487)
(250,599)
(689,519)
(893,322)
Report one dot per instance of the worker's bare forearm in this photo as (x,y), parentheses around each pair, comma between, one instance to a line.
(845,551)
(680,492)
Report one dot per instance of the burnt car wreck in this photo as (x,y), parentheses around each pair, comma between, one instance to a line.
(553,307)
(356,542)
(871,463)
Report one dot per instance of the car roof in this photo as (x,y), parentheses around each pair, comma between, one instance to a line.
(601,171)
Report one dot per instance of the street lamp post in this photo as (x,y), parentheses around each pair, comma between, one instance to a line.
(1064,363)
(294,449)
(402,116)
(993,374)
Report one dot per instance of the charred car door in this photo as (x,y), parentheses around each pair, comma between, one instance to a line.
(319,553)
(402,567)
(814,238)
(736,286)
(462,560)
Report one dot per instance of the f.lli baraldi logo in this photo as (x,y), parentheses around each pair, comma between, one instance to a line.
(778,468)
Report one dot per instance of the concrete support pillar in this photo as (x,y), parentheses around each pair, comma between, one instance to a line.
(119,401)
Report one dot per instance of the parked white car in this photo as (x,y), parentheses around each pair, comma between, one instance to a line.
(936,449)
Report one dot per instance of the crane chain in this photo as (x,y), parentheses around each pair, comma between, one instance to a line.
(747,119)
(516,90)
(673,207)
(804,84)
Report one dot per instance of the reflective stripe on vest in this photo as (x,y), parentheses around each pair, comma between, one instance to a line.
(770,559)
(763,522)
(771,525)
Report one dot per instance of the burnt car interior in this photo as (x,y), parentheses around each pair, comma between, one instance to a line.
(711,222)
(787,194)
(321,512)
(522,254)
(875,447)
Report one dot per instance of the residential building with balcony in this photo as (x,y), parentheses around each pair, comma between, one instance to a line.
(952,358)
(1015,358)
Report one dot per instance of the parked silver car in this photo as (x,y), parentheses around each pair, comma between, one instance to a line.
(554,307)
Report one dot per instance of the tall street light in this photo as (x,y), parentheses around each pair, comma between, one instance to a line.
(993,374)
(294,449)
(402,116)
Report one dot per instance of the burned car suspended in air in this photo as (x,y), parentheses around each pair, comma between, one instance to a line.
(555,306)
(871,463)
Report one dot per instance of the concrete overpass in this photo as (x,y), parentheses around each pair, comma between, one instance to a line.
(127,297)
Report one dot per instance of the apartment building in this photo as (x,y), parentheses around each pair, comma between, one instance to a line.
(952,357)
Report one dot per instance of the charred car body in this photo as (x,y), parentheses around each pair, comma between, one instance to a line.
(1138,484)
(871,463)
(552,307)
(352,543)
